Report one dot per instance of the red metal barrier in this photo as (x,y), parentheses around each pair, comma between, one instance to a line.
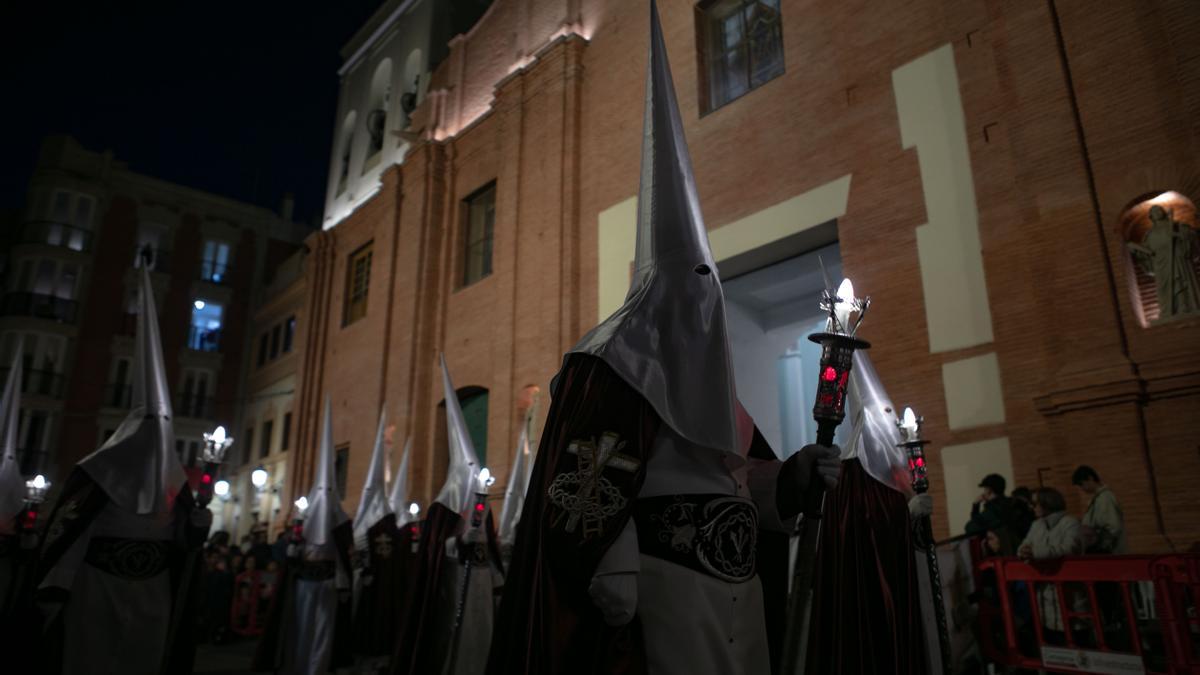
(1101,614)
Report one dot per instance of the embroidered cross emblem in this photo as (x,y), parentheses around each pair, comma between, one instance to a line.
(68,513)
(585,495)
(383,546)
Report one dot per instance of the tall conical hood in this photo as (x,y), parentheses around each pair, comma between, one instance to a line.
(674,315)
(12,483)
(514,493)
(137,467)
(464,467)
(373,506)
(399,497)
(874,438)
(324,504)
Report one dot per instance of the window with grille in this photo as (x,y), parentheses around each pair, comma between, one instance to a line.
(481,221)
(341,463)
(741,48)
(286,438)
(265,448)
(358,278)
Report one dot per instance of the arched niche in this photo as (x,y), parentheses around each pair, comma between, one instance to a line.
(1162,253)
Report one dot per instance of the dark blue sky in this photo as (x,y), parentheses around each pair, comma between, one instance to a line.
(236,98)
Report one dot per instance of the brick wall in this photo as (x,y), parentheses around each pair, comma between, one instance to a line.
(1072,109)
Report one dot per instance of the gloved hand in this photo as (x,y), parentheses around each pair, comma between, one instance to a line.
(795,476)
(920,505)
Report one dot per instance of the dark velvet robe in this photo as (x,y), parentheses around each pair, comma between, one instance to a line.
(387,567)
(866,612)
(547,623)
(420,645)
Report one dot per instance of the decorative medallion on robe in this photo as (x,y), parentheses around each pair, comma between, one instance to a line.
(584,496)
(383,546)
(713,534)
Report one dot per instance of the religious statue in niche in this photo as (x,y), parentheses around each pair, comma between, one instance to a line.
(1169,251)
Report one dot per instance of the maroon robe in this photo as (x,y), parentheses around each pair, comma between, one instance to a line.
(866,612)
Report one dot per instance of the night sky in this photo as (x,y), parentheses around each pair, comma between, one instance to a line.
(235,98)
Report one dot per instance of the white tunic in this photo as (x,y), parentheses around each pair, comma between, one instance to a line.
(111,624)
(310,628)
(693,623)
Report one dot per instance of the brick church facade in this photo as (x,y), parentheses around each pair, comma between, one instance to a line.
(974,162)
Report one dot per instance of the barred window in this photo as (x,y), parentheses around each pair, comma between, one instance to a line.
(358,278)
(481,221)
(741,48)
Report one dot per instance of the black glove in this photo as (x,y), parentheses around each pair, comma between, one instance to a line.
(796,475)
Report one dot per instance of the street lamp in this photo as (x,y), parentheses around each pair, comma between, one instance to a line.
(216,445)
(221,489)
(259,478)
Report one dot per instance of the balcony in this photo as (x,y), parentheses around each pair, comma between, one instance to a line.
(39,306)
(195,406)
(204,340)
(39,382)
(57,234)
(216,272)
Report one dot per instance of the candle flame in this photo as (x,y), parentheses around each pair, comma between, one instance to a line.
(218,435)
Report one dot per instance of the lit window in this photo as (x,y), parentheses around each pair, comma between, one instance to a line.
(204,335)
(214,266)
(358,280)
(741,47)
(70,221)
(481,221)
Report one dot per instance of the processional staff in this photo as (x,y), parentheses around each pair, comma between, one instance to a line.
(838,344)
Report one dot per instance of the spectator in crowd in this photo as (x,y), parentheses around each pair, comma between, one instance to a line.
(218,596)
(279,548)
(991,509)
(260,550)
(1055,534)
(999,542)
(1103,522)
(1022,511)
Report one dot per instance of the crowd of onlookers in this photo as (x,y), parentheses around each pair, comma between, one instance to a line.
(239,582)
(1034,526)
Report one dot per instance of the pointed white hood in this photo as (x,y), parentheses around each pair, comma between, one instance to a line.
(137,467)
(399,497)
(12,483)
(464,467)
(674,315)
(874,439)
(373,506)
(324,505)
(514,492)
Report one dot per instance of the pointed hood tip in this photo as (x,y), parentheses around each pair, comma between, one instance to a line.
(373,505)
(463,462)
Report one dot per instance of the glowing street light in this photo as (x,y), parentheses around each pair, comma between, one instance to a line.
(259,477)
(221,489)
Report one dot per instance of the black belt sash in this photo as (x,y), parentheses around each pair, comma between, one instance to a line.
(130,559)
(711,533)
(317,570)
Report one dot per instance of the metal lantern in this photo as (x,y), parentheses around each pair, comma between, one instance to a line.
(216,445)
(910,431)
(838,344)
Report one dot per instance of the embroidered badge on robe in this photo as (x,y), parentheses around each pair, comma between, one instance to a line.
(584,496)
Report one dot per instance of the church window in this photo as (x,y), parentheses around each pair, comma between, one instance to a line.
(358,278)
(480,225)
(741,48)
